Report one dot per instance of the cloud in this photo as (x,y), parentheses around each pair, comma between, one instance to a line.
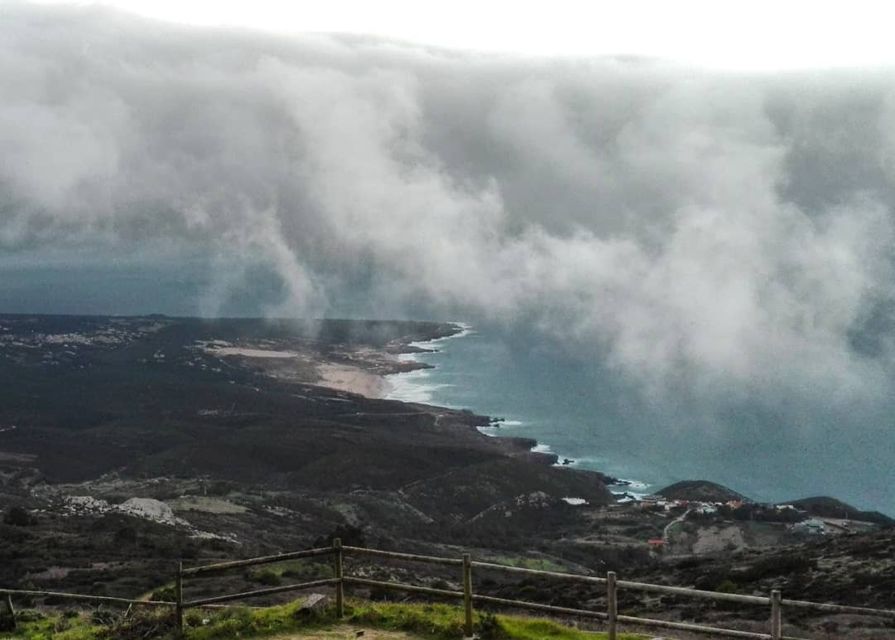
(719,233)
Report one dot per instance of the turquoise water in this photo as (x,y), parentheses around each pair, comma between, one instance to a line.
(580,409)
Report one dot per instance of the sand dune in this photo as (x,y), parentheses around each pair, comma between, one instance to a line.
(352,379)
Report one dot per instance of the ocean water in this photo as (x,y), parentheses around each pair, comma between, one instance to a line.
(581,410)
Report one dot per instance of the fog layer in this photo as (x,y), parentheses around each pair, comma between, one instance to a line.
(718,236)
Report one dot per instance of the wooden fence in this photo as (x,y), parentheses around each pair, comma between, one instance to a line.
(465,566)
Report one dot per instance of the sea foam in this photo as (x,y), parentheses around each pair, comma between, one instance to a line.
(417,386)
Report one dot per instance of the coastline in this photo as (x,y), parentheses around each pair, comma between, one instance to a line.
(409,385)
(362,369)
(412,386)
(235,444)
(421,385)
(353,380)
(402,370)
(381,375)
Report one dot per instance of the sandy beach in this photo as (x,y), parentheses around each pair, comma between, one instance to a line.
(353,380)
(294,362)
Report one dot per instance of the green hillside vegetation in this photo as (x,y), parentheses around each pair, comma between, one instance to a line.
(425,621)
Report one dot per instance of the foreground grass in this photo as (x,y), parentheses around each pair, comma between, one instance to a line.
(429,621)
(445,622)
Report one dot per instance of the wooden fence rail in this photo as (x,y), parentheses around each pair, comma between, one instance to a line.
(412,557)
(251,562)
(31,593)
(693,593)
(230,597)
(466,565)
(838,608)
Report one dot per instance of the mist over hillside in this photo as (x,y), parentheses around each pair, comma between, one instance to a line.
(721,240)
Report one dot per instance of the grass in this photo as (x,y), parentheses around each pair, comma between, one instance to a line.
(541,564)
(64,626)
(445,622)
(428,621)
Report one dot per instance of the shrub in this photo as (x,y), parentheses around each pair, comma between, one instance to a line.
(727,586)
(268,578)
(19,517)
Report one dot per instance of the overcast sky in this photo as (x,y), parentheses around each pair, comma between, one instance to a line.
(735,35)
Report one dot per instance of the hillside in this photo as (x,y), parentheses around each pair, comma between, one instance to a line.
(128,444)
(141,440)
(827,507)
(700,491)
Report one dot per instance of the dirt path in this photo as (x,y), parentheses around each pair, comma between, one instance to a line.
(666,532)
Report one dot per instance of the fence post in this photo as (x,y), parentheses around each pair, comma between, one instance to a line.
(178,594)
(467,594)
(611,606)
(11,611)
(338,572)
(776,615)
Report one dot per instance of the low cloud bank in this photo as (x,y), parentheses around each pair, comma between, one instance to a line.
(718,235)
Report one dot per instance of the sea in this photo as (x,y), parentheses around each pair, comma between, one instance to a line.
(571,403)
(592,418)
